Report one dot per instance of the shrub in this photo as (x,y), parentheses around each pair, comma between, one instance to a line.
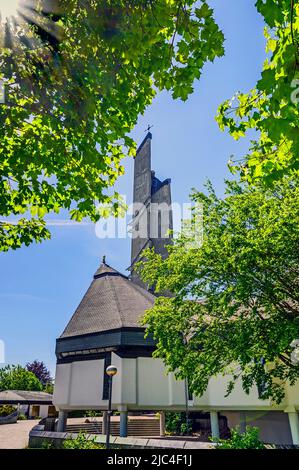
(81,442)
(247,440)
(76,414)
(21,417)
(6,410)
(92,414)
(47,445)
(175,423)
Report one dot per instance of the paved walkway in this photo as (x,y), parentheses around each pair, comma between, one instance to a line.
(15,436)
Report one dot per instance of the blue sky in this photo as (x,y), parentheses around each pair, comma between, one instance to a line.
(41,285)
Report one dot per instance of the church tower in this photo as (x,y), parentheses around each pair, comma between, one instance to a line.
(106,327)
(152,217)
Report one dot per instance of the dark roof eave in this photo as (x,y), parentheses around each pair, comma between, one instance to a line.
(123,337)
(96,333)
(26,402)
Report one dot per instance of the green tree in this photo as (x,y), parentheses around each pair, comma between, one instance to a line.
(235,307)
(39,369)
(272,107)
(15,377)
(73,96)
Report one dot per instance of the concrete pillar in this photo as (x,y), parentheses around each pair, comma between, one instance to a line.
(104,423)
(123,427)
(243,424)
(294,425)
(162,423)
(62,418)
(214,424)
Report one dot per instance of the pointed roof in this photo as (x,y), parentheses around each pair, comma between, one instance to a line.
(111,302)
(105,269)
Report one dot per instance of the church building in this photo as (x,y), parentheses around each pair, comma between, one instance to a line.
(105,329)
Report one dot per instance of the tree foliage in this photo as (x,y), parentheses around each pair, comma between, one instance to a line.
(15,377)
(39,369)
(235,307)
(272,107)
(91,68)
(6,410)
(176,423)
(73,98)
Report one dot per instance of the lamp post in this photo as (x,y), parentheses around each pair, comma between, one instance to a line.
(111,371)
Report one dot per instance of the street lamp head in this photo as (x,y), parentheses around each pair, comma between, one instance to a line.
(111,371)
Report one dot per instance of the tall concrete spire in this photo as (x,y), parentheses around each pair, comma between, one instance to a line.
(152,217)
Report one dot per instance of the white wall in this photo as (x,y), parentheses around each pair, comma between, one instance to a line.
(86,383)
(142,383)
(215,396)
(43,411)
(62,384)
(273,425)
(79,385)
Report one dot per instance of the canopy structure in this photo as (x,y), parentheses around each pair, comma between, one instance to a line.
(24,397)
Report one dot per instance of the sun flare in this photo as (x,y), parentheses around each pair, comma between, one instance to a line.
(8,9)
(24,26)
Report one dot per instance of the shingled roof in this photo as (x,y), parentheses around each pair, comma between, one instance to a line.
(24,396)
(112,301)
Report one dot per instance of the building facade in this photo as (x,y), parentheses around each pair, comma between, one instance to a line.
(106,329)
(31,404)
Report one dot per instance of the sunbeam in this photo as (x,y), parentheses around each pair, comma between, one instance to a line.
(8,9)
(29,24)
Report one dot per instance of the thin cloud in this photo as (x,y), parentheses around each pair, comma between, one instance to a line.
(66,223)
(55,223)
(24,297)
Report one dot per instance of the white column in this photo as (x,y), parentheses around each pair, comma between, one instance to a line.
(123,425)
(62,418)
(162,423)
(294,425)
(243,422)
(214,424)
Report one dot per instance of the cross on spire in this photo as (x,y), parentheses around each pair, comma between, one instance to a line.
(148,128)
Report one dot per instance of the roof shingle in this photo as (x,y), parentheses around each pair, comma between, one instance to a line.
(111,302)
